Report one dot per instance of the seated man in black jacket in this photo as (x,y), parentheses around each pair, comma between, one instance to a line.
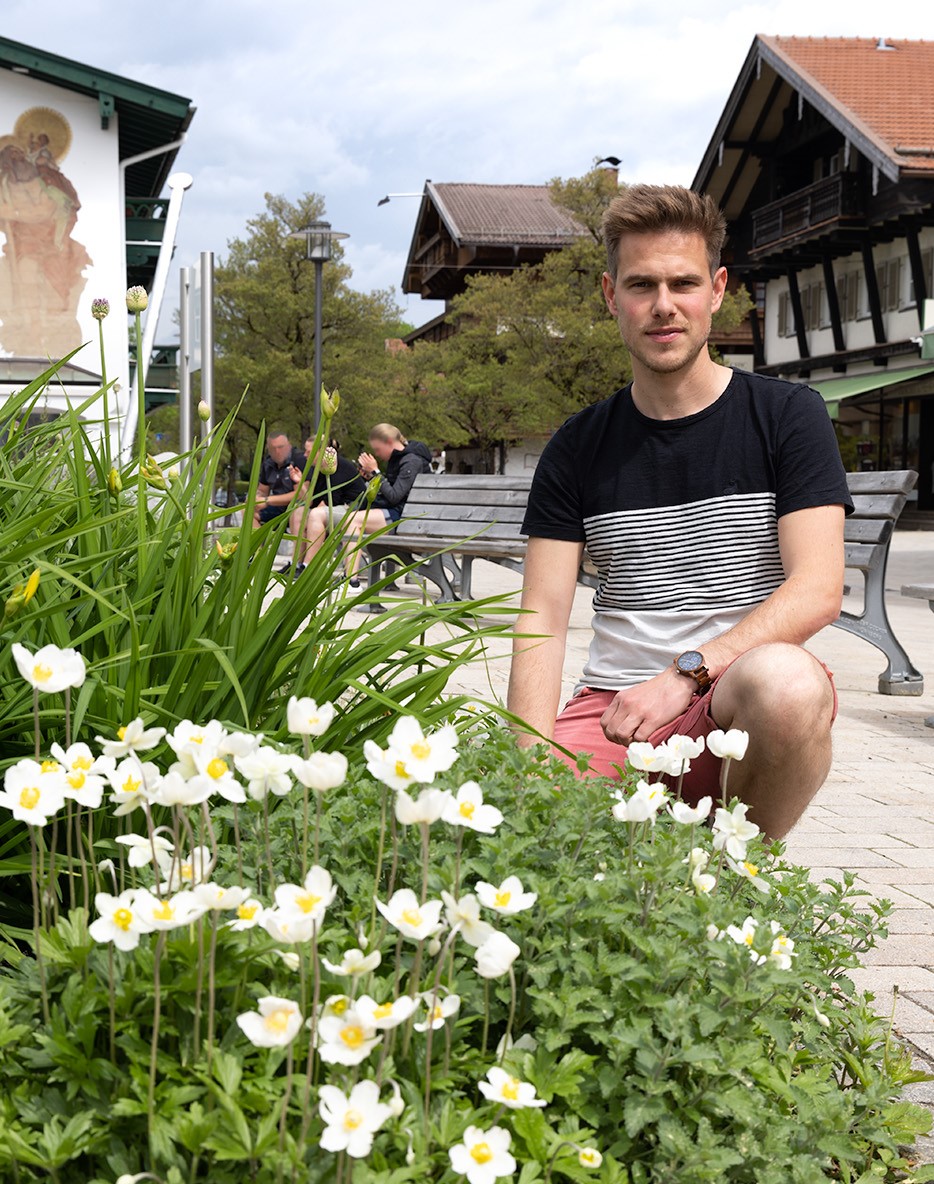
(347,488)
(401,463)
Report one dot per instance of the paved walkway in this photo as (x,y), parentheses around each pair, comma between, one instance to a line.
(875,815)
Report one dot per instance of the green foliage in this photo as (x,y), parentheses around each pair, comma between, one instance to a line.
(669,1050)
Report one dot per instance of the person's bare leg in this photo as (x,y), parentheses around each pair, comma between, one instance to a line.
(781,695)
(363,523)
(316,525)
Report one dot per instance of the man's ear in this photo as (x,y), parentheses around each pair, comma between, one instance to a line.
(609,293)
(719,288)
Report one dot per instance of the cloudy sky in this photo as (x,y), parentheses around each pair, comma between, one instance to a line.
(358,99)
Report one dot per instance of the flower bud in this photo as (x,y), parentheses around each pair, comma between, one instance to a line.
(100,307)
(589,1157)
(204,411)
(396,1103)
(328,465)
(153,474)
(434,948)
(21,596)
(31,585)
(372,489)
(225,553)
(114,482)
(136,298)
(329,403)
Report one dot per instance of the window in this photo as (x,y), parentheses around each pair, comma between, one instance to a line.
(848,295)
(927,268)
(786,324)
(889,279)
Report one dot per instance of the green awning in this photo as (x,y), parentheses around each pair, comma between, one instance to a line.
(834,390)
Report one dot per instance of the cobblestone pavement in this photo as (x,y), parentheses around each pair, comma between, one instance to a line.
(875,814)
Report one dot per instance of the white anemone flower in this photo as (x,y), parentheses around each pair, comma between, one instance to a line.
(508,898)
(239,743)
(681,751)
(275,1024)
(249,915)
(467,808)
(133,737)
(732,830)
(85,777)
(729,745)
(187,738)
(287,926)
(335,1005)
(33,796)
(690,815)
(496,955)
(350,1122)
(783,948)
(310,899)
(142,847)
(290,958)
(424,755)
(133,783)
(465,913)
(187,872)
(703,882)
(345,1039)
(589,1157)
(305,717)
(383,1016)
(216,898)
(215,774)
(426,808)
(643,804)
(118,921)
(749,871)
(746,936)
(354,962)
(413,920)
(387,766)
(50,668)
(321,771)
(171,912)
(483,1156)
(509,1091)
(649,758)
(175,790)
(266,771)
(444,1007)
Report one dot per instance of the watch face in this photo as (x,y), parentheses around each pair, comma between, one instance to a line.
(692,660)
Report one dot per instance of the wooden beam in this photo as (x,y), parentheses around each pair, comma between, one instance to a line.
(754,135)
(758,349)
(872,291)
(797,312)
(917,272)
(833,304)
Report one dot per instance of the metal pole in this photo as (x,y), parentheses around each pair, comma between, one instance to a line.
(184,374)
(319,268)
(207,338)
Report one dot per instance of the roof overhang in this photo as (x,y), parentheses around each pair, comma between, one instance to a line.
(834,390)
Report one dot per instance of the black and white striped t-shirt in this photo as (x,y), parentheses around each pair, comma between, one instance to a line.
(681,516)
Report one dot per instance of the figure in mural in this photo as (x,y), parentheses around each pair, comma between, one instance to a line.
(41,265)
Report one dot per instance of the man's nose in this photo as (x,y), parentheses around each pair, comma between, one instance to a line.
(664,302)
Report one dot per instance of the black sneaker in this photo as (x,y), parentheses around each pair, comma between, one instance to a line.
(299,568)
(285,568)
(355,583)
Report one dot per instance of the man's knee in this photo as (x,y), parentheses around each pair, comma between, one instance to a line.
(778,683)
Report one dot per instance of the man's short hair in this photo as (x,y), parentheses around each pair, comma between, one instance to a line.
(276,436)
(648,209)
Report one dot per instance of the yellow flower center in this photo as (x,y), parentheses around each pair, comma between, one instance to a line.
(352,1035)
(420,750)
(412,917)
(163,912)
(76,780)
(511,1089)
(400,769)
(278,1020)
(123,918)
(41,673)
(50,766)
(781,941)
(381,1012)
(121,733)
(217,768)
(481,1153)
(352,1119)
(29,797)
(81,762)
(307,901)
(187,871)
(503,899)
(313,721)
(131,785)
(339,1006)
(195,739)
(437,1014)
(466,809)
(246,912)
(588,1155)
(751,869)
(750,937)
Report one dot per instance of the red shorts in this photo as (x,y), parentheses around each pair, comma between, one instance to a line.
(578,729)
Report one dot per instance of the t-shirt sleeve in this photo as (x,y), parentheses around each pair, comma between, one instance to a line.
(554,507)
(809,469)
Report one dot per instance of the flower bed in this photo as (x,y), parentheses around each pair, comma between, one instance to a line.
(438,959)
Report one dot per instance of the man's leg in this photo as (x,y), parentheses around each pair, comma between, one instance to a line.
(316,525)
(359,525)
(783,697)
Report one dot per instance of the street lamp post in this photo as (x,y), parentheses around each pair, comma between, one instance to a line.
(318,239)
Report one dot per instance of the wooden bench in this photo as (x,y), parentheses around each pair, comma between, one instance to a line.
(452,520)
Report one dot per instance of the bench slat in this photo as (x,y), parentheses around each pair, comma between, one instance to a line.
(471,481)
(868,530)
(441,512)
(429,528)
(878,505)
(507,496)
(894,481)
(860,556)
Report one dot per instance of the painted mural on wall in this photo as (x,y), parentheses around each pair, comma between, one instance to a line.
(41,264)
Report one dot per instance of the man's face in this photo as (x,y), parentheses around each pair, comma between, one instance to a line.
(279,449)
(663,298)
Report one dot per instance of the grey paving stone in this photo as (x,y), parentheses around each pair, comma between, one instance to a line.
(900,949)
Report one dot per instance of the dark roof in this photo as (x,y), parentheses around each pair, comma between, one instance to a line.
(148,117)
(521,214)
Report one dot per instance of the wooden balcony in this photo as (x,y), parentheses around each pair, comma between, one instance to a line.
(807,214)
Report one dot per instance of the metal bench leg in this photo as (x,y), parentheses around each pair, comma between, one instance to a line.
(899,677)
(466,575)
(434,570)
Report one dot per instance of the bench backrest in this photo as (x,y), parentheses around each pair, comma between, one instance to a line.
(878,498)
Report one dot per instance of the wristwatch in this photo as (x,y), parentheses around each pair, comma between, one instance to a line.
(691,663)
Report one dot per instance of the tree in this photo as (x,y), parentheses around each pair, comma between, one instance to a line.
(265,292)
(532,347)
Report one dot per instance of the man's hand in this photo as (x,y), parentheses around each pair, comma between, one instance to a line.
(295,474)
(639,711)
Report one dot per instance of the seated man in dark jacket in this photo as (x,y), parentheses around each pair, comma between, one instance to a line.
(342,488)
(397,462)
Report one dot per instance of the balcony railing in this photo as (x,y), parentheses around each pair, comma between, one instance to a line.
(801,214)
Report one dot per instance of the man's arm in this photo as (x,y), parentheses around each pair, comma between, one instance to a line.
(811,545)
(551,567)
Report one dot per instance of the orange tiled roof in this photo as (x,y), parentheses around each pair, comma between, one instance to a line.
(886,92)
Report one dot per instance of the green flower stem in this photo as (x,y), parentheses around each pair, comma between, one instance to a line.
(69,851)
(154,1043)
(380,851)
(199,990)
(724,778)
(236,822)
(141,505)
(212,963)
(106,393)
(112,1001)
(157,880)
(486,1016)
(286,1098)
(36,925)
(457,862)
(307,1111)
(554,1156)
(272,870)
(35,720)
(442,956)
(512,1013)
(414,979)
(394,866)
(92,859)
(423,828)
(317,823)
